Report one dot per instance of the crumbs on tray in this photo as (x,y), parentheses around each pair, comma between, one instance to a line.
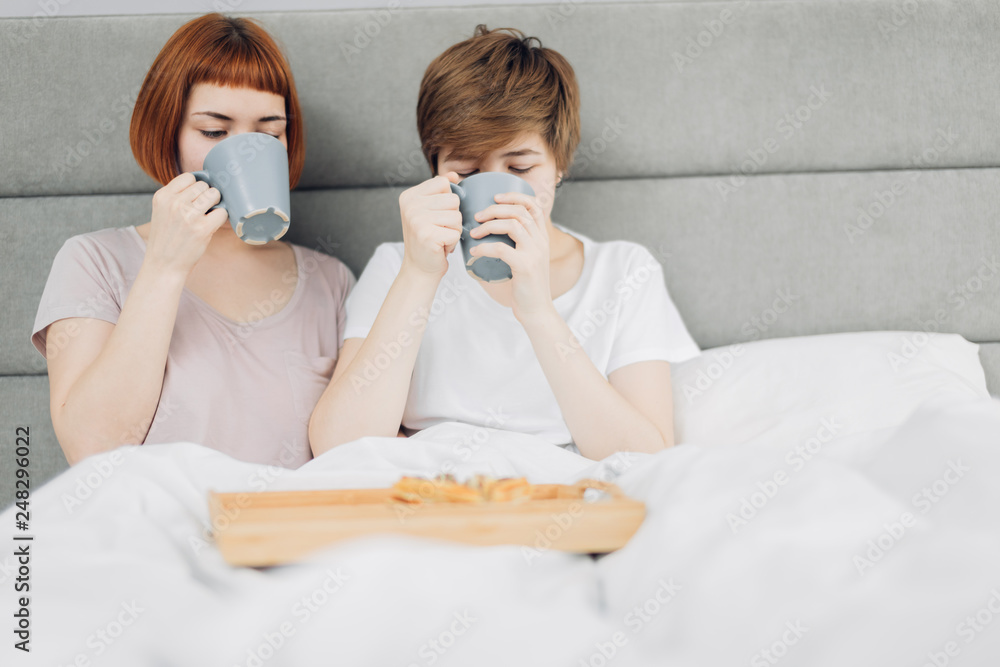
(447,489)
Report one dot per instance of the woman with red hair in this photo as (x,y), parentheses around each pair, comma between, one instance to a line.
(176,330)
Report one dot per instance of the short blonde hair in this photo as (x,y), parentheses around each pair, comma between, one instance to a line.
(480,94)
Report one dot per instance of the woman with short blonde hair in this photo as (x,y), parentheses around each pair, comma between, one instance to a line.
(574,348)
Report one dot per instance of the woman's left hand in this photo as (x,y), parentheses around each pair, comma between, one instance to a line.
(520,217)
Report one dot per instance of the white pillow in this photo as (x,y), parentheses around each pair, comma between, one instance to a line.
(822,387)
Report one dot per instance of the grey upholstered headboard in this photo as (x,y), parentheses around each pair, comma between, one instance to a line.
(838,158)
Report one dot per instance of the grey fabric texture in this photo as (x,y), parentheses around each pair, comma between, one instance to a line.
(835,161)
(670,97)
(928,261)
(989,354)
(32,229)
(25,403)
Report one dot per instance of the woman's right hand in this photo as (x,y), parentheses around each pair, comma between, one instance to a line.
(182,225)
(432,224)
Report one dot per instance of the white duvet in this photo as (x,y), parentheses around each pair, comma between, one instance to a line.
(873,548)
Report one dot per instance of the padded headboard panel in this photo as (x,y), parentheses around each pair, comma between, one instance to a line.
(839,156)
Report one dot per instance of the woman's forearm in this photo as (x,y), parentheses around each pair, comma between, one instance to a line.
(114,400)
(599,418)
(368,396)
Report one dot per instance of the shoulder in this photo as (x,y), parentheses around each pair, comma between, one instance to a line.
(112,242)
(331,272)
(328,263)
(626,253)
(387,258)
(616,256)
(115,253)
(391,252)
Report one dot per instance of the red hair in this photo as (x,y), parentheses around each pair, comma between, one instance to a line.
(215,49)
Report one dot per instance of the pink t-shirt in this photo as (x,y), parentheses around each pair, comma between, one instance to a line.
(246,389)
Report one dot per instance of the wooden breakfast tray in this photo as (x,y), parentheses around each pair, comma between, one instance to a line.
(273,527)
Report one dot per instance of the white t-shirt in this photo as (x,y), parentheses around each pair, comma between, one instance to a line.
(476,364)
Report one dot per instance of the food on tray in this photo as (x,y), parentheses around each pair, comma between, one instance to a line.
(447,489)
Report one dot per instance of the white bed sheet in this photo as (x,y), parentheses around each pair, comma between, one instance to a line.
(121,548)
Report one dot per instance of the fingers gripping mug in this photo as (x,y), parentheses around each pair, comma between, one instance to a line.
(475,194)
(250,170)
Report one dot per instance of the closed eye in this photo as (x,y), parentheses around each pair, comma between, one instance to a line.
(213,134)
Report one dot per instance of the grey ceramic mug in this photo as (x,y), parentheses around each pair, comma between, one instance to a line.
(250,170)
(476,193)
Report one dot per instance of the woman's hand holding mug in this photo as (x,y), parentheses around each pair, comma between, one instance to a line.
(432,224)
(182,224)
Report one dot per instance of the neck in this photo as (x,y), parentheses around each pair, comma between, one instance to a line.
(225,242)
(558,241)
